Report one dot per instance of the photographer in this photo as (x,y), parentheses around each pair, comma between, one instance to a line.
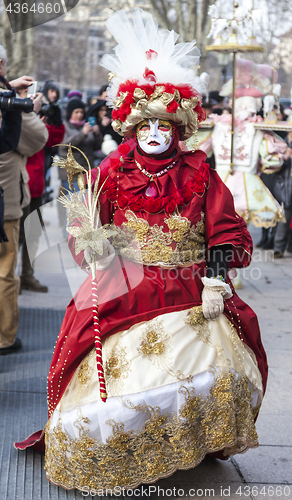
(14,179)
(10,108)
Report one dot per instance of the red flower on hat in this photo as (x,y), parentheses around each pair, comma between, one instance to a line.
(172,107)
(149,75)
(151,54)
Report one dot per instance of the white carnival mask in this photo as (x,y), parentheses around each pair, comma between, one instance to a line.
(154,136)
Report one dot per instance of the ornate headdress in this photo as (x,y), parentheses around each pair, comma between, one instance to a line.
(254,80)
(151,76)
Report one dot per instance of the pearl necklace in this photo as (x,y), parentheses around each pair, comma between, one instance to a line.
(156,174)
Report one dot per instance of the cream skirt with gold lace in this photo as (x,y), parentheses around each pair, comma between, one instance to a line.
(178,387)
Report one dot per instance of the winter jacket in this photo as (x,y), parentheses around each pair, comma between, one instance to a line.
(35,165)
(88,144)
(13,174)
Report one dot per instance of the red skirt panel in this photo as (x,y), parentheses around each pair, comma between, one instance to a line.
(127,297)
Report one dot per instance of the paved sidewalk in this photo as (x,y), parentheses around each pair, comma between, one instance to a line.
(264,473)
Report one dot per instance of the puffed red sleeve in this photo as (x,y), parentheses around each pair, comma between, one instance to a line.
(223,225)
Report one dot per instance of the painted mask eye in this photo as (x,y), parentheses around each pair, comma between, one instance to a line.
(144,128)
(164,126)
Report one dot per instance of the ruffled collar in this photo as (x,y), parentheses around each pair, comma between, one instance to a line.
(154,165)
(126,186)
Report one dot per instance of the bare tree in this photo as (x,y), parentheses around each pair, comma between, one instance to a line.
(19,45)
(189,18)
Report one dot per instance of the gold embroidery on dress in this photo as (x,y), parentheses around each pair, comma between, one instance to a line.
(222,420)
(182,245)
(156,345)
(199,323)
(116,369)
(84,375)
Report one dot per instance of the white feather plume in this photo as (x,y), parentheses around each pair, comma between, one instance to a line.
(175,63)
(205,80)
(269,102)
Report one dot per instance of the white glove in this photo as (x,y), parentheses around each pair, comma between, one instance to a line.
(213,295)
(102,261)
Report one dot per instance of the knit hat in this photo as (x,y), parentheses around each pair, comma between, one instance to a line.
(74,104)
(74,93)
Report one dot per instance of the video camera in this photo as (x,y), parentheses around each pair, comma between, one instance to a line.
(45,110)
(9,102)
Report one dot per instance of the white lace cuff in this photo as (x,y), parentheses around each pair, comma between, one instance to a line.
(218,286)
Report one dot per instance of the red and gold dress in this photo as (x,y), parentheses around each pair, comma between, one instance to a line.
(179,386)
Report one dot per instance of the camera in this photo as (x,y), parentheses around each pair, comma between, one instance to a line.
(44,111)
(32,89)
(8,102)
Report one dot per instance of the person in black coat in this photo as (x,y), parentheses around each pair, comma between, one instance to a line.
(103,119)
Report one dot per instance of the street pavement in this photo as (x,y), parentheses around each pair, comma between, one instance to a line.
(263,473)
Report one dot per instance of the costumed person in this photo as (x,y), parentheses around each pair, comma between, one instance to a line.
(183,364)
(252,147)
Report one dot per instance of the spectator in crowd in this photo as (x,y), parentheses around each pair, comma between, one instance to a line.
(81,134)
(51,95)
(283,190)
(103,92)
(14,179)
(91,100)
(9,132)
(103,118)
(280,185)
(219,102)
(51,92)
(35,167)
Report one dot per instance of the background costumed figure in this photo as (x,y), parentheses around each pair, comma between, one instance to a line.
(254,149)
(184,367)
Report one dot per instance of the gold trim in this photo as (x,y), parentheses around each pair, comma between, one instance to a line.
(281,126)
(223,420)
(234,47)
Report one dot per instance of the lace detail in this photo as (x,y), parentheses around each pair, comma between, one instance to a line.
(156,345)
(198,322)
(117,369)
(221,421)
(182,245)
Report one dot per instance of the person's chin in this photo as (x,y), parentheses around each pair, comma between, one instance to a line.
(154,150)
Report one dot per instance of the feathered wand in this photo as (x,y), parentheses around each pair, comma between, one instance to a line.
(85,207)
